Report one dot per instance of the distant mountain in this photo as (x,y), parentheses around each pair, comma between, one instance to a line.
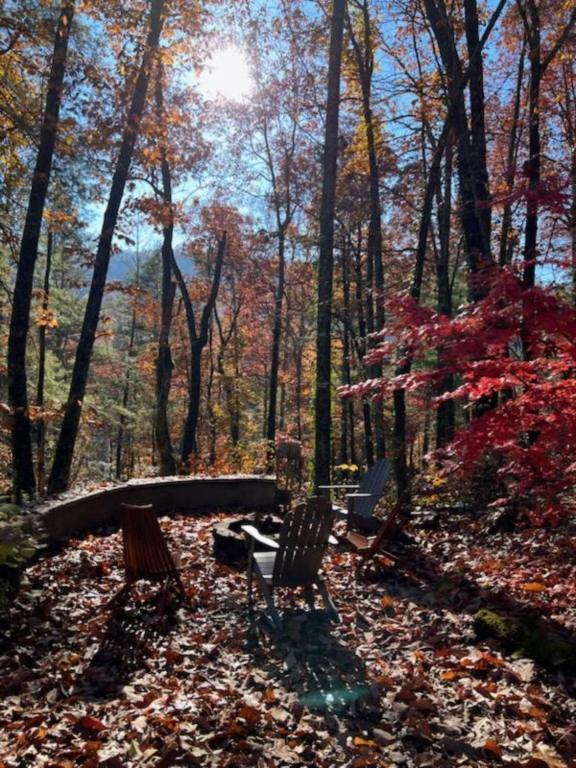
(123,264)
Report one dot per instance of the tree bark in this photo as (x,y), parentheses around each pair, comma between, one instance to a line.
(126,391)
(164,364)
(41,434)
(361,351)
(472,172)
(399,395)
(364,56)
(530,13)
(506,245)
(275,356)
(445,416)
(322,402)
(60,474)
(198,341)
(23,466)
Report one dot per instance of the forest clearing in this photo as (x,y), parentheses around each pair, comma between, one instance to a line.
(296,278)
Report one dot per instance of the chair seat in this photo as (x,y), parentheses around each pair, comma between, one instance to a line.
(265,562)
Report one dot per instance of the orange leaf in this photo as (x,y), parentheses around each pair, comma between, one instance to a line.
(533,586)
(360,742)
(387,601)
(450,674)
(492,746)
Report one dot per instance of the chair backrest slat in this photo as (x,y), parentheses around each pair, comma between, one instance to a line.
(146,552)
(302,543)
(373,482)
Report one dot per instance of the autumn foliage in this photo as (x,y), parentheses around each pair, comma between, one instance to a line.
(521,413)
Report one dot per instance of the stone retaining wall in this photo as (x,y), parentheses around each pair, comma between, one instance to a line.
(71,517)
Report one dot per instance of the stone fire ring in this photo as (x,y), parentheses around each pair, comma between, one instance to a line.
(229,540)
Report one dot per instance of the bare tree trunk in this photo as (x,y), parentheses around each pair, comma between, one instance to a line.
(573,224)
(445,417)
(164,364)
(399,396)
(322,402)
(198,341)
(127,389)
(530,12)
(60,474)
(275,357)
(41,435)
(364,56)
(534,149)
(361,351)
(472,171)
(506,246)
(22,459)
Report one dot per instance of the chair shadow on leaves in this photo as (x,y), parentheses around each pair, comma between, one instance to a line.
(136,631)
(309,662)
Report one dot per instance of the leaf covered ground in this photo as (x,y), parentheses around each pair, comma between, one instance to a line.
(400,681)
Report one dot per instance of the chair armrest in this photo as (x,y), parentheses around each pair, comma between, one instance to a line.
(255,535)
(365,495)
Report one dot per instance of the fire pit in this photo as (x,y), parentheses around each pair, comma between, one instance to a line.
(229,543)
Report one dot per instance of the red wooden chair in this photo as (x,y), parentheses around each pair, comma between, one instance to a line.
(370,547)
(146,553)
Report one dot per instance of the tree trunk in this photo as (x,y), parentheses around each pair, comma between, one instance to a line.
(472,171)
(399,395)
(60,474)
(534,149)
(478,159)
(322,402)
(275,357)
(361,351)
(197,343)
(445,416)
(365,65)
(347,428)
(164,364)
(573,224)
(506,244)
(126,391)
(23,466)
(41,434)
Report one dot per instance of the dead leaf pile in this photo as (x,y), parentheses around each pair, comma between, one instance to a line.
(399,682)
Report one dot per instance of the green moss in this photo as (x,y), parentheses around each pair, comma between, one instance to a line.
(526,638)
(9,511)
(491,624)
(547,648)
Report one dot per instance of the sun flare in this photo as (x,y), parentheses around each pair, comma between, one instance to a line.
(227,75)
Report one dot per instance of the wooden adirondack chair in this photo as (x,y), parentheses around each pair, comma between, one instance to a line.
(146,553)
(369,547)
(294,559)
(361,503)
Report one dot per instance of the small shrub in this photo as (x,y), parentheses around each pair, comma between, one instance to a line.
(20,541)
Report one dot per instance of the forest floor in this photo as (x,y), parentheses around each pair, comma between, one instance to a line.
(401,681)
